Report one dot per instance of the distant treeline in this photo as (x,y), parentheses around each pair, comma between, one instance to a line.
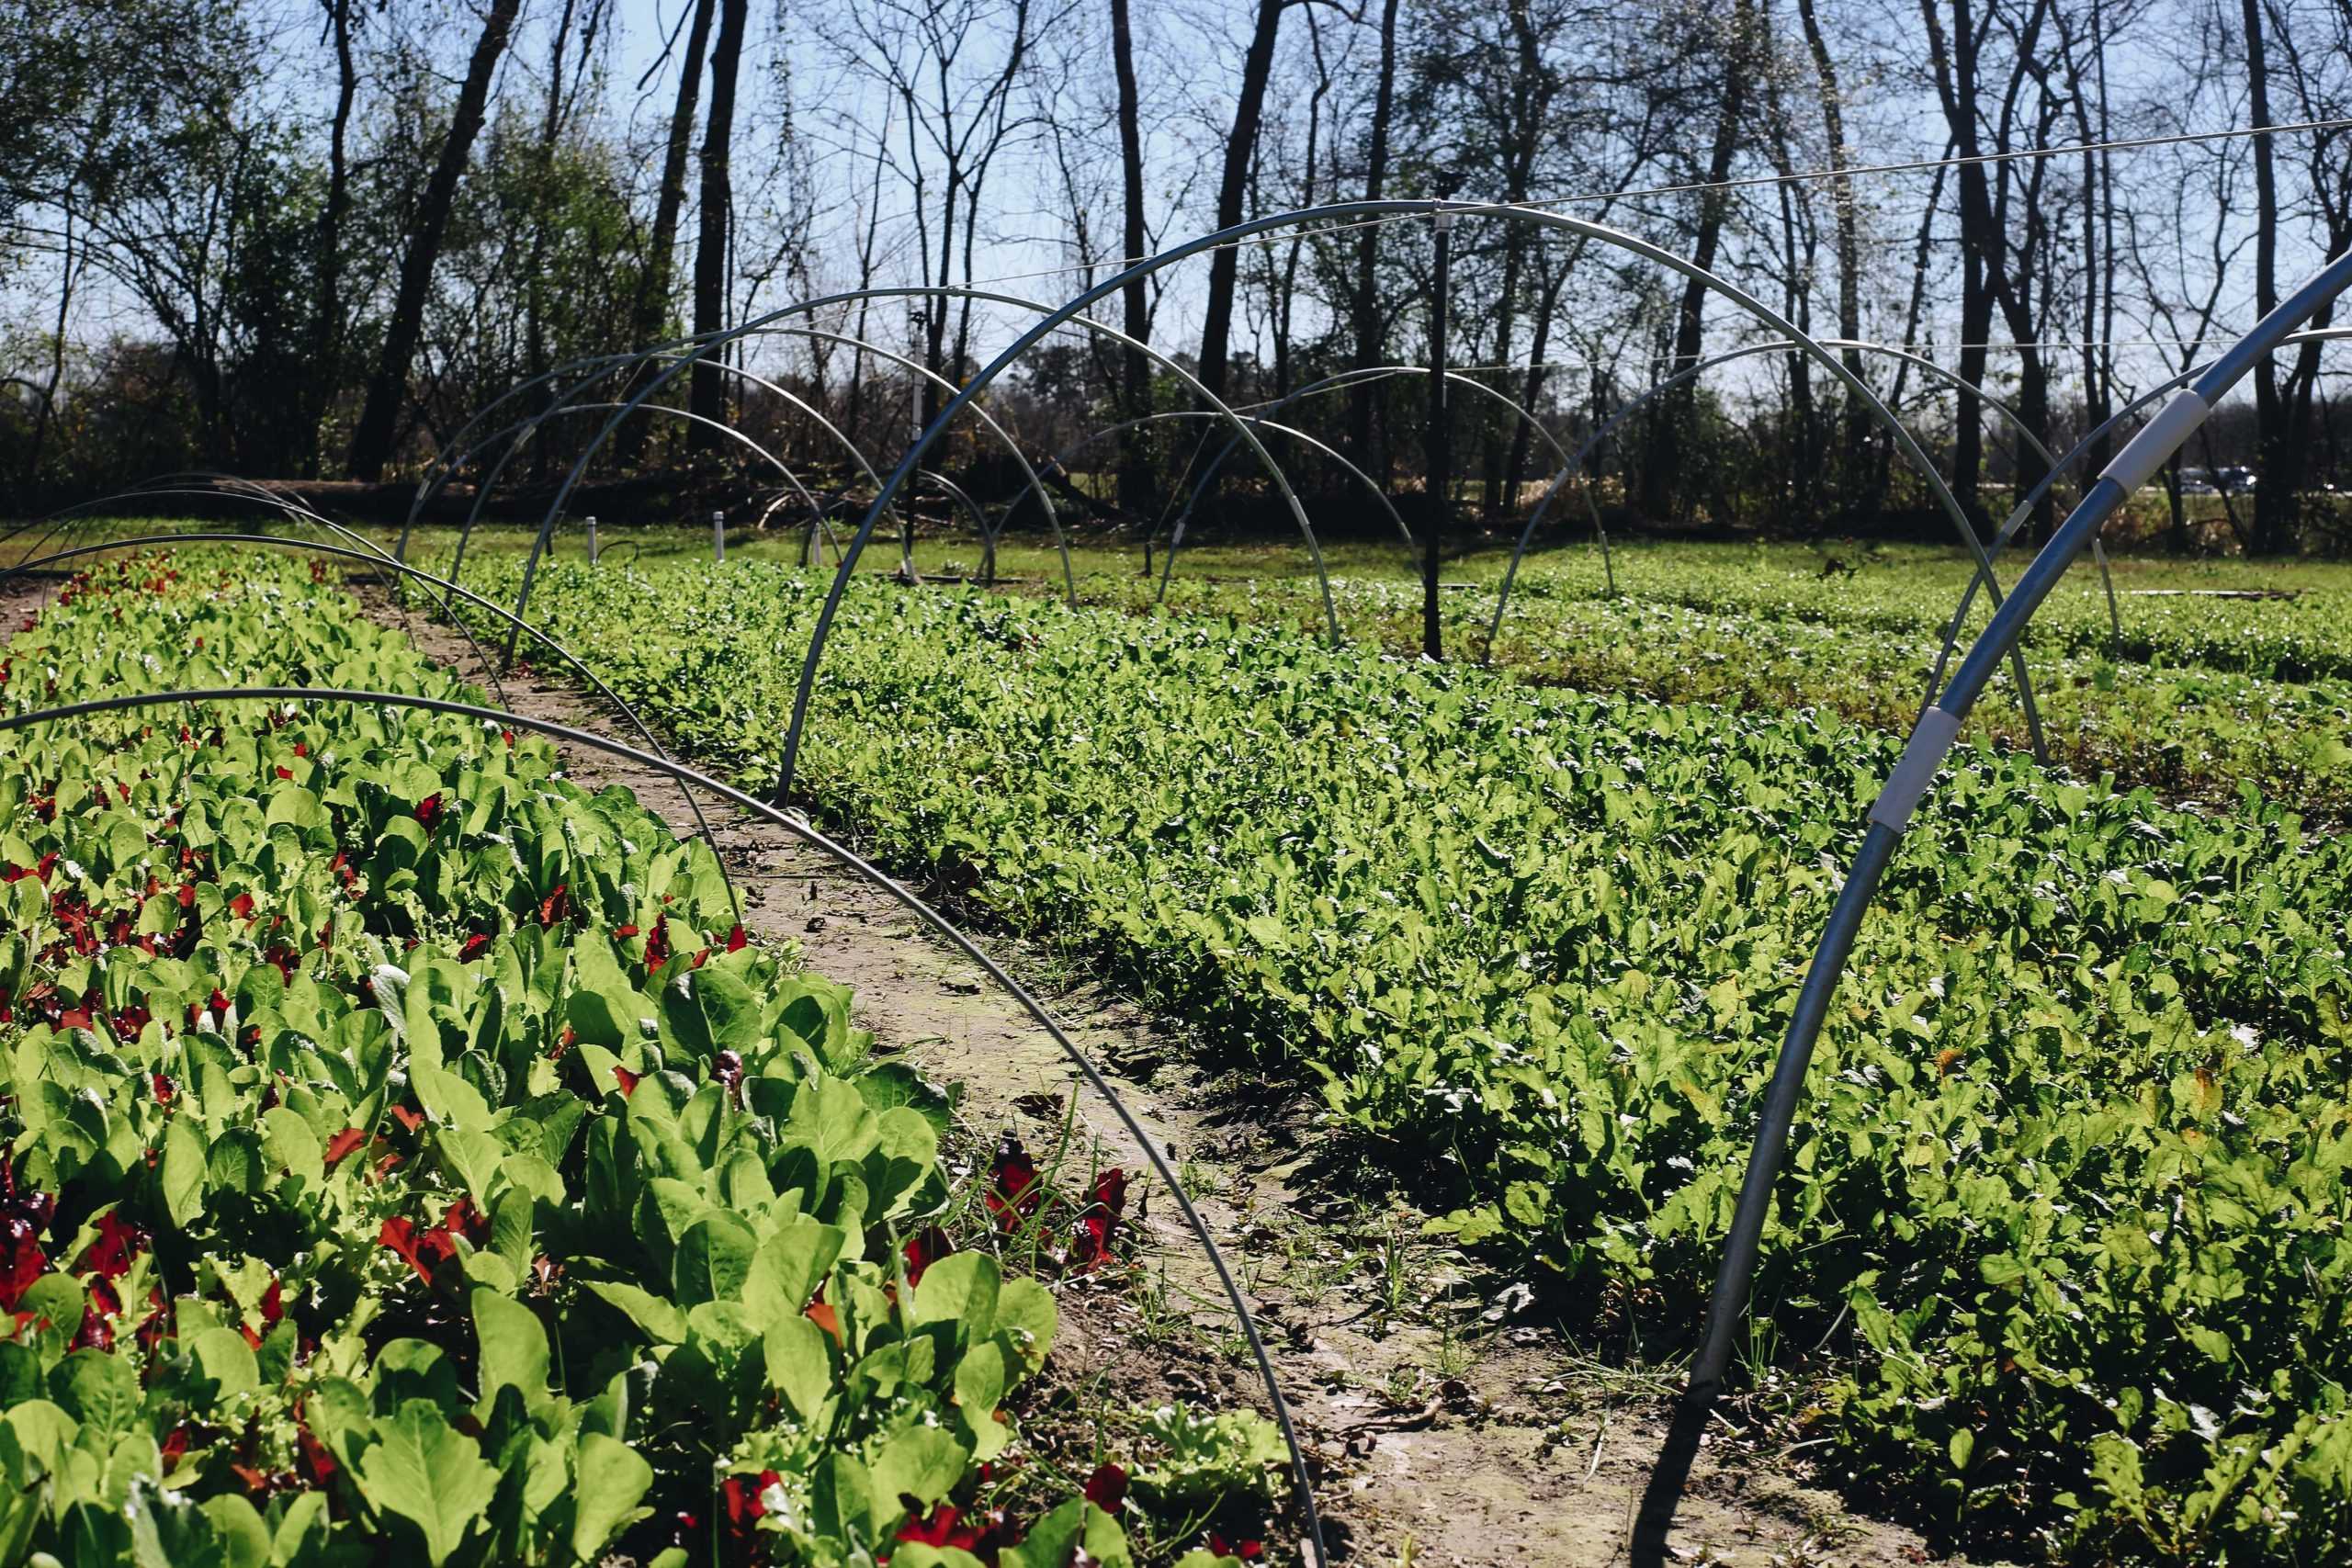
(310,239)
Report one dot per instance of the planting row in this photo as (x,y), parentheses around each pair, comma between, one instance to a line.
(2065,1207)
(2190,731)
(408,1158)
(2187,618)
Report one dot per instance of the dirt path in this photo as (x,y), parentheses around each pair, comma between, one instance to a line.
(1445,1433)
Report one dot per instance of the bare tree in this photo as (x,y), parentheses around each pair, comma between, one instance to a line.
(655,283)
(1854,430)
(1134,367)
(2182,258)
(373,438)
(951,70)
(1364,308)
(1992,74)
(1233,186)
(715,214)
(2284,395)
(1662,460)
(327,320)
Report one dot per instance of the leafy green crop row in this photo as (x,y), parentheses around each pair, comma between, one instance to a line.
(2188,731)
(405,1160)
(2182,618)
(2066,1202)
(2308,636)
(2202,693)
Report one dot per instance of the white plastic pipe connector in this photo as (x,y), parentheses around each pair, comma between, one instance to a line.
(2152,447)
(1931,740)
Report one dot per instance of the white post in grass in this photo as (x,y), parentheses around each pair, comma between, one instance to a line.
(591,540)
(719,538)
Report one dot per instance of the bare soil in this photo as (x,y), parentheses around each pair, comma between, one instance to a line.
(1443,1431)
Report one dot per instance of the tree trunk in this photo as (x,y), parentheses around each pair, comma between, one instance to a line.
(653,308)
(1881,466)
(867,253)
(1367,293)
(373,439)
(2278,454)
(535,325)
(1493,450)
(1134,367)
(1955,69)
(69,271)
(2100,372)
(1968,416)
(326,326)
(1531,389)
(1240,147)
(1665,457)
(1530,101)
(709,396)
(1856,423)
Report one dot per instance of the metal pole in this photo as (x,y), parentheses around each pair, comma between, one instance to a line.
(918,394)
(1441,445)
(1914,774)
(719,538)
(592,539)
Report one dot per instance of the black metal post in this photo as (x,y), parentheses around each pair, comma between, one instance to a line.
(919,416)
(1441,445)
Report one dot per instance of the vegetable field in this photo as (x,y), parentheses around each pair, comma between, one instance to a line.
(2060,1256)
(972,783)
(2201,695)
(410,1159)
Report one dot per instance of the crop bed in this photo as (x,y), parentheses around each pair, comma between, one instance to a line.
(408,1157)
(2066,1210)
(2201,696)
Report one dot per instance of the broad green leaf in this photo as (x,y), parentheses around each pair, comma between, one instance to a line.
(832,1120)
(513,1349)
(303,1532)
(184,1168)
(788,1265)
(43,1431)
(293,1146)
(97,1389)
(732,1011)
(982,1376)
(238,1526)
(1025,1309)
(421,1469)
(292,806)
(663,1320)
(713,1259)
(476,1156)
(799,1364)
(612,1481)
(960,1289)
(1054,1539)
(922,1462)
(168,1531)
(447,1098)
(225,1361)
